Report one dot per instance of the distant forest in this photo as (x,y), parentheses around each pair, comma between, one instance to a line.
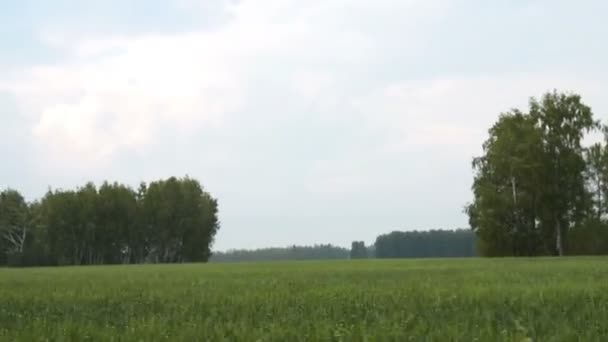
(426,244)
(317,252)
(409,244)
(166,221)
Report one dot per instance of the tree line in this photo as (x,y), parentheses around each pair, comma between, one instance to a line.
(426,244)
(538,189)
(166,221)
(316,252)
(410,244)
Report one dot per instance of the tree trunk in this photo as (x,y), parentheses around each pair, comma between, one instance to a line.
(16,236)
(514,190)
(515,220)
(599,196)
(558,238)
(558,227)
(23,236)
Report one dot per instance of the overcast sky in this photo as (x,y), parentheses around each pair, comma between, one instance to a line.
(317,121)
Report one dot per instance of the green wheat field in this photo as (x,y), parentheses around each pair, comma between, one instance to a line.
(544,299)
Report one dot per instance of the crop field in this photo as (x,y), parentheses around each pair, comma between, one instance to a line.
(387,300)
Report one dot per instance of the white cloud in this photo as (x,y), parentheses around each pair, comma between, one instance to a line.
(117,92)
(94,106)
(456,112)
(424,125)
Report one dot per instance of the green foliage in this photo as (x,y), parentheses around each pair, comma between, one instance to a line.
(180,221)
(316,252)
(358,250)
(171,220)
(14,225)
(505,187)
(589,238)
(425,244)
(596,175)
(434,243)
(367,300)
(536,182)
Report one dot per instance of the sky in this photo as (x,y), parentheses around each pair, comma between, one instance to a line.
(318,121)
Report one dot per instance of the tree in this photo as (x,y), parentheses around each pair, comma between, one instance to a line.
(60,218)
(529,188)
(564,120)
(180,219)
(14,222)
(199,211)
(596,175)
(358,250)
(505,188)
(116,214)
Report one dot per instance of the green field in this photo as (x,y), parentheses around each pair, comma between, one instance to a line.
(438,300)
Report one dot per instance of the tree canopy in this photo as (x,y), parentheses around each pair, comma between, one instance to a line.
(358,250)
(537,189)
(166,221)
(425,244)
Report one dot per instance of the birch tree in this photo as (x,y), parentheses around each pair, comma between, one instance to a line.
(13,221)
(530,187)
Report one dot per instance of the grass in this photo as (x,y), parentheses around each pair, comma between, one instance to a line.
(388,300)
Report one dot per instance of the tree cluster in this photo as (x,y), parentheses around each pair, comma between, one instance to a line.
(426,244)
(358,250)
(166,221)
(538,190)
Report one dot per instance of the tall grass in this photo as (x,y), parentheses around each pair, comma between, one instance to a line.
(389,300)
